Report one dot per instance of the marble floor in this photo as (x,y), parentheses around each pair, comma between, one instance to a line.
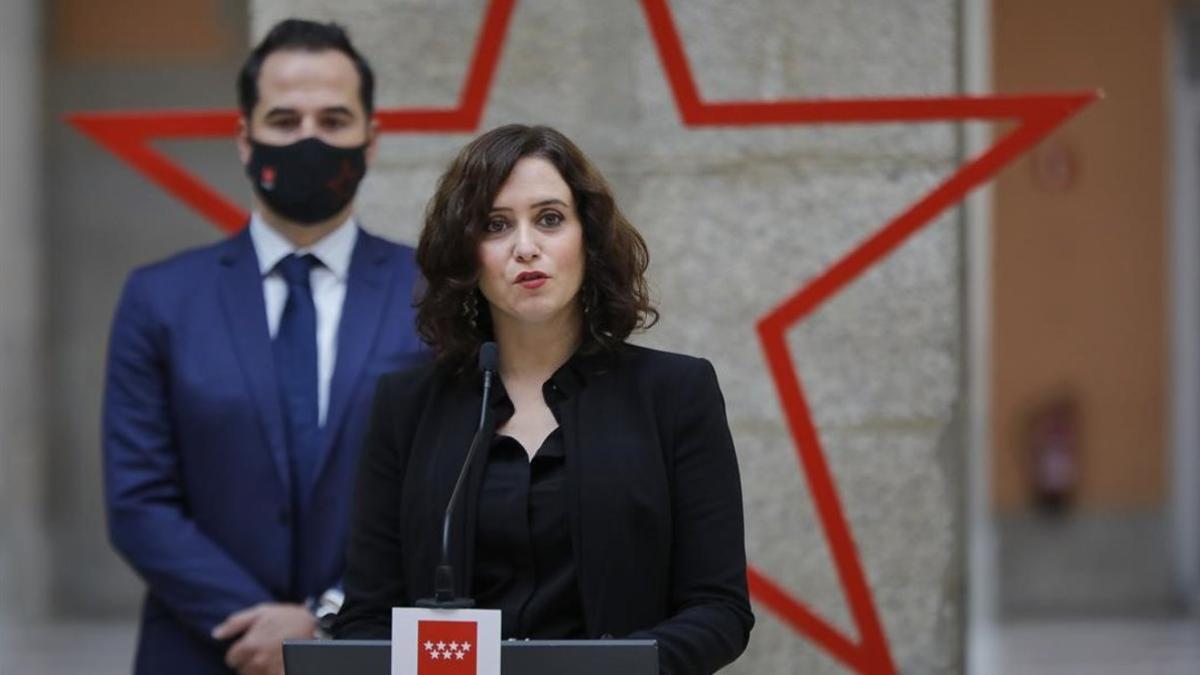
(66,648)
(1111,647)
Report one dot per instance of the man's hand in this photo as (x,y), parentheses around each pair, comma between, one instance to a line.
(263,628)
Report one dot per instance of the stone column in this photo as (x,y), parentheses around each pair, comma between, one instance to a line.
(23,577)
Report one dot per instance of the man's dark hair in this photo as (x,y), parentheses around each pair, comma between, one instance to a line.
(614,289)
(307,36)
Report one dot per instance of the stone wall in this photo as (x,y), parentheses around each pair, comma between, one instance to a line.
(23,546)
(737,220)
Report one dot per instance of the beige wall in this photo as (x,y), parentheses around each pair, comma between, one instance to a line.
(102,219)
(143,32)
(1079,295)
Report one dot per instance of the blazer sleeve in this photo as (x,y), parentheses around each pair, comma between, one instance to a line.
(146,503)
(710,618)
(373,581)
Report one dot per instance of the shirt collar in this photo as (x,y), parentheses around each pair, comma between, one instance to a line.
(334,250)
(567,381)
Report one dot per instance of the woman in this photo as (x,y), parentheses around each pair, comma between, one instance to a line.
(607,502)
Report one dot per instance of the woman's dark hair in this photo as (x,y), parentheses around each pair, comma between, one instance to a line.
(614,291)
(305,36)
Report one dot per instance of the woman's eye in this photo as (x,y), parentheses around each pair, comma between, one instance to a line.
(494,225)
(552,219)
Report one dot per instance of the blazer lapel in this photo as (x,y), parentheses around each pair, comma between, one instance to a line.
(578,461)
(454,442)
(246,316)
(469,506)
(367,294)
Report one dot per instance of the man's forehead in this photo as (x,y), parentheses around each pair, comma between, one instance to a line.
(327,74)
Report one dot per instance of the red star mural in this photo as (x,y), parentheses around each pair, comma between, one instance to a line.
(128,136)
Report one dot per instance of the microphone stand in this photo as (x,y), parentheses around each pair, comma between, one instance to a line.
(444,594)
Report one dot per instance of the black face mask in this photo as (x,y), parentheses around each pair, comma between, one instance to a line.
(308,181)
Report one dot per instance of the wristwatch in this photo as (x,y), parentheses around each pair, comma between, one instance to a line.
(325,608)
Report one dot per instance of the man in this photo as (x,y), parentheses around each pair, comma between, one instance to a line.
(240,376)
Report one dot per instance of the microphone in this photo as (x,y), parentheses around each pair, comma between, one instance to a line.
(445,596)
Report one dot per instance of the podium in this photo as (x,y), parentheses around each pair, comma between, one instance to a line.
(517,657)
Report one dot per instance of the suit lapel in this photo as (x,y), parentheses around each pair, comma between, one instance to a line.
(246,316)
(367,294)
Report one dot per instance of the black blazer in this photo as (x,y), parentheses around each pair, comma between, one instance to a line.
(656,522)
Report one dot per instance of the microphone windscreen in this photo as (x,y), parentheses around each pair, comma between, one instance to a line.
(489,357)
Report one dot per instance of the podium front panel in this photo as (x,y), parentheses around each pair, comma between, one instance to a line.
(517,657)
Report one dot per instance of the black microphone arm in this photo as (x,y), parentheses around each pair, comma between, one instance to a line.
(445,596)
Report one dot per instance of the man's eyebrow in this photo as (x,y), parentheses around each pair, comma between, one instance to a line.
(332,110)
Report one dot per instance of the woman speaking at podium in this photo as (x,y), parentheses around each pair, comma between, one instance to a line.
(604,500)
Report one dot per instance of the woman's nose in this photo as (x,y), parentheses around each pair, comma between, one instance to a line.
(525,247)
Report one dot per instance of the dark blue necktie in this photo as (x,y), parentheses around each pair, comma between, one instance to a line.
(295,347)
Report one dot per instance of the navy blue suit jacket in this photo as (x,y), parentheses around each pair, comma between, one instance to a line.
(197,487)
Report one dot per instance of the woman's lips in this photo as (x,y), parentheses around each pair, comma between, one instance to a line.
(531,280)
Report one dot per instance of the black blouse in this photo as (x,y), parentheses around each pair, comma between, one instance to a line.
(524,564)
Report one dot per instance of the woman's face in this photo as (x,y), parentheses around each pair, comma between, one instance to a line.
(531,255)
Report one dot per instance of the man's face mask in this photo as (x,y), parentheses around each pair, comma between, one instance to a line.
(308,181)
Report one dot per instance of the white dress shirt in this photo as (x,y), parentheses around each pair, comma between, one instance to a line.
(328,281)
